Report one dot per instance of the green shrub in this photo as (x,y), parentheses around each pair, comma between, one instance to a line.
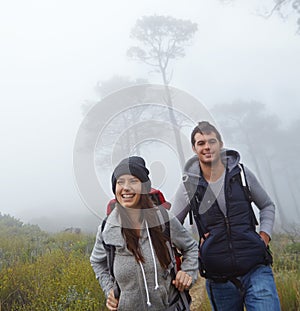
(56,281)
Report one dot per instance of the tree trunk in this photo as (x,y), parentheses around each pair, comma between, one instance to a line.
(274,190)
(173,120)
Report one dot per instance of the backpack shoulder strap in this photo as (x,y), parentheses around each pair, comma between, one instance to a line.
(110,206)
(110,252)
(194,203)
(166,220)
(244,182)
(247,190)
(103,224)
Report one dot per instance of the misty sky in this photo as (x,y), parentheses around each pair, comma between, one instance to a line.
(53,53)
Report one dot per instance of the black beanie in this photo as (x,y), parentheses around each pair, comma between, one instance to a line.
(132,166)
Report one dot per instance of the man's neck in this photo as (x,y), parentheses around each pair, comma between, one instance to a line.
(212,172)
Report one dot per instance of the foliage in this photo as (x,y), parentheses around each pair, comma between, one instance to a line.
(109,86)
(19,242)
(162,39)
(284,8)
(116,83)
(288,287)
(286,268)
(56,273)
(40,271)
(59,280)
(25,243)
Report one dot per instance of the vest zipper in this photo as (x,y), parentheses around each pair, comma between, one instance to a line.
(228,230)
(227,227)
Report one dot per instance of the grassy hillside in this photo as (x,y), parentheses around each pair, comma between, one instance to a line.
(41,271)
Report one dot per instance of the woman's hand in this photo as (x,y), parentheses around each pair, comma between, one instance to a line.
(112,302)
(182,281)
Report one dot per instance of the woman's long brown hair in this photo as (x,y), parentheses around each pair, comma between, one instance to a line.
(159,239)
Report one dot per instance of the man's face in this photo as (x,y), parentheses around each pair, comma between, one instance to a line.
(207,147)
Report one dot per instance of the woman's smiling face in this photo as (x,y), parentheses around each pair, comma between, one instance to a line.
(128,191)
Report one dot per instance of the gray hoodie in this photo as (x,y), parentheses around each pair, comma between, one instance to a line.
(266,207)
(144,286)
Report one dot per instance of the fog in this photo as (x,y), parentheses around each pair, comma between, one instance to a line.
(54,54)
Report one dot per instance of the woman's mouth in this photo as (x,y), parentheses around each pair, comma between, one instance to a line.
(128,196)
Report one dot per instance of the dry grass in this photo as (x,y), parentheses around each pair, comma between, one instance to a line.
(199,296)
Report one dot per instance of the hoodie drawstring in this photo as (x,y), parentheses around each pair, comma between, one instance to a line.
(153,257)
(146,286)
(155,268)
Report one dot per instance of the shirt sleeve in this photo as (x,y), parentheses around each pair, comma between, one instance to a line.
(183,240)
(180,206)
(98,261)
(263,202)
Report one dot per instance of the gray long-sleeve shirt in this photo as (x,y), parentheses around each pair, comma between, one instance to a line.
(266,206)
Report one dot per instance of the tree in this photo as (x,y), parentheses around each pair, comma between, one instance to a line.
(259,136)
(283,8)
(163,38)
(116,83)
(106,87)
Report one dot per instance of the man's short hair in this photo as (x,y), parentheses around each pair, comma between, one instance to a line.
(204,127)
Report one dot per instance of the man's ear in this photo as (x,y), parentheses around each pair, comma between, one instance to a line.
(221,144)
(194,149)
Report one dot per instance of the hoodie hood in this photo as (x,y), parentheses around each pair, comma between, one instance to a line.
(192,171)
(230,158)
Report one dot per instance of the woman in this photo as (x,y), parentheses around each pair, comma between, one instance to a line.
(142,263)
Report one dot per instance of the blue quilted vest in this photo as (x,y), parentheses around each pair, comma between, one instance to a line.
(233,247)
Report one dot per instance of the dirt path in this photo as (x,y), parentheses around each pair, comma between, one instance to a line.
(198,293)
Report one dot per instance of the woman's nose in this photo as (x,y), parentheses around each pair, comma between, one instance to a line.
(126,185)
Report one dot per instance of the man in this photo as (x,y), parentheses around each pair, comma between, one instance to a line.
(233,257)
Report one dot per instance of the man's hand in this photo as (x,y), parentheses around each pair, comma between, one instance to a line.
(112,302)
(265,237)
(182,281)
(202,239)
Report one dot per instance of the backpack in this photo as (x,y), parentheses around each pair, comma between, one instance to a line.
(183,299)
